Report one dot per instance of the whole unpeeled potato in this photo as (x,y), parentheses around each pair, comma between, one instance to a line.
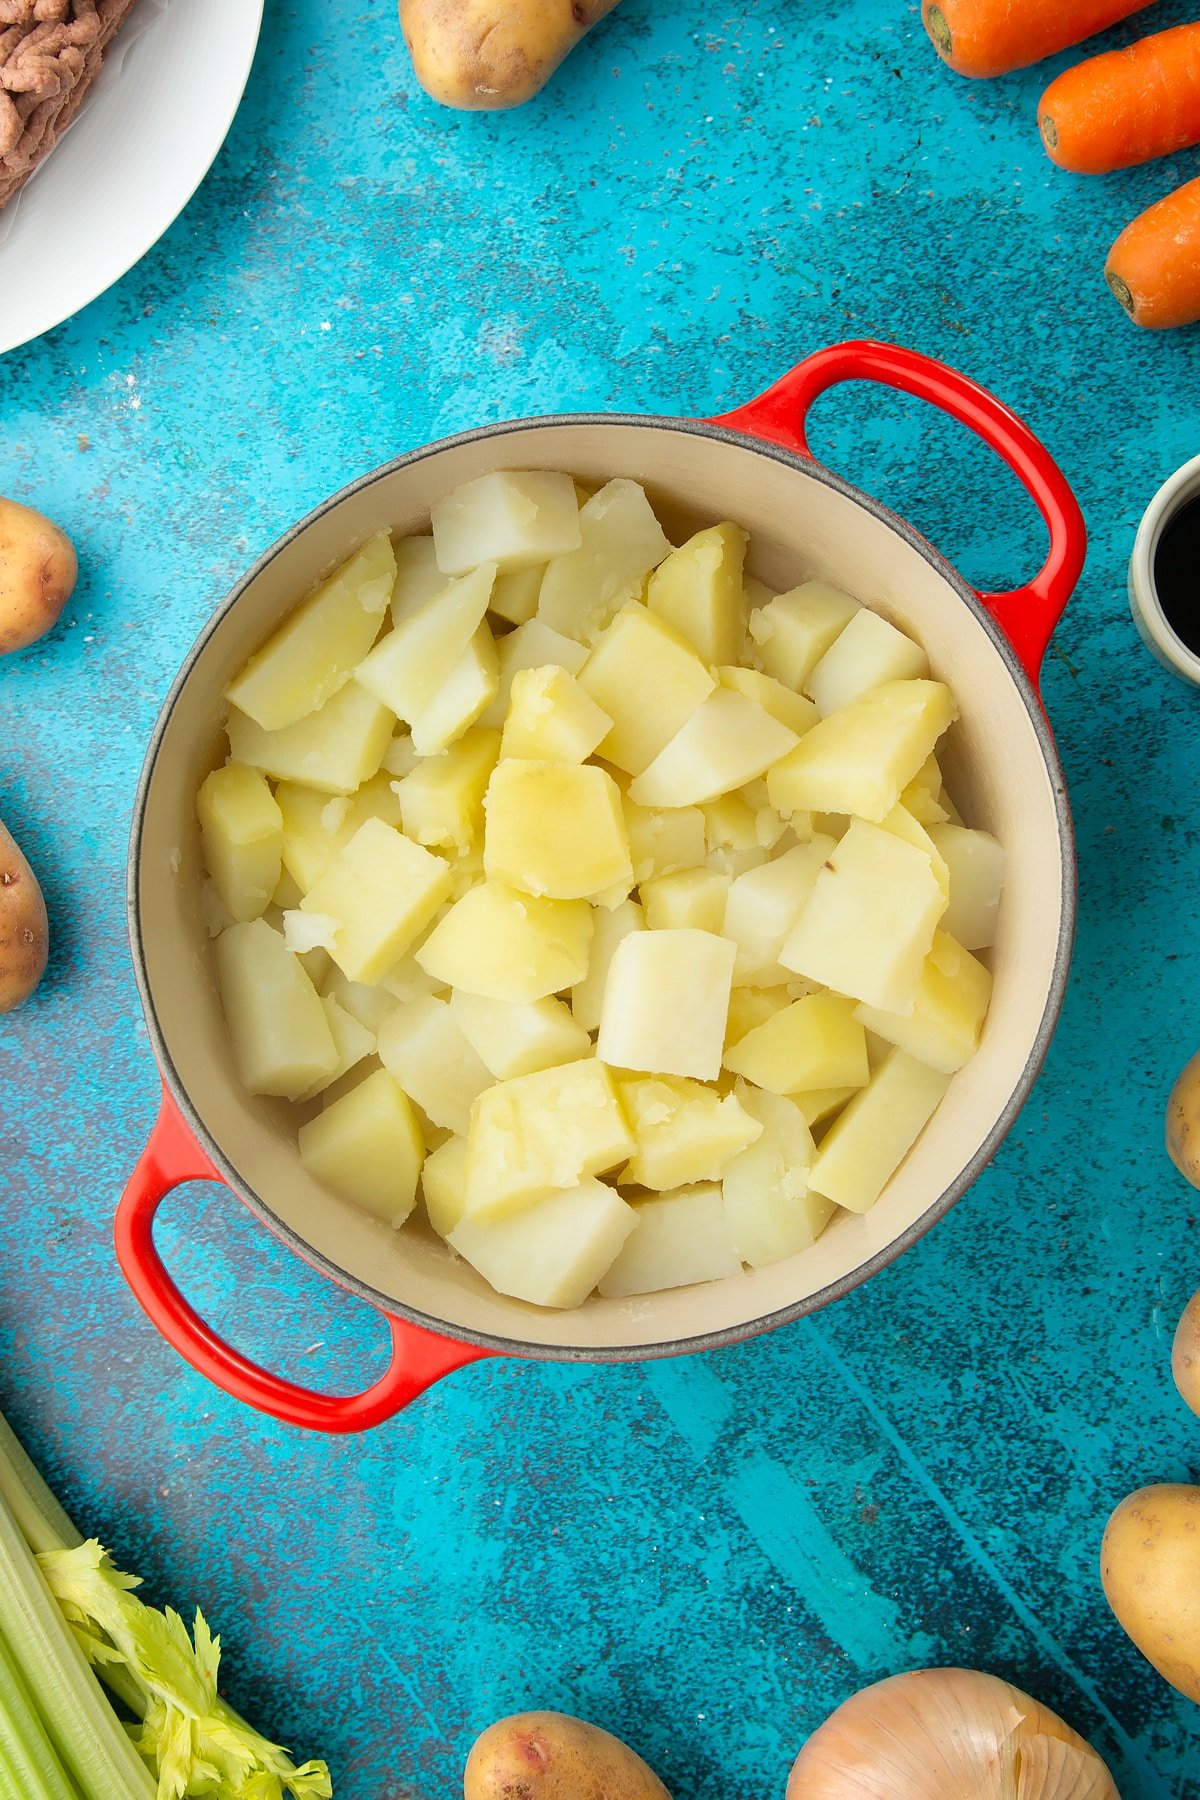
(37,575)
(1185,1354)
(1183,1122)
(482,55)
(1150,1567)
(24,930)
(550,1756)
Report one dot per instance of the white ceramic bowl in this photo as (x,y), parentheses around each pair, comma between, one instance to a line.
(1144,603)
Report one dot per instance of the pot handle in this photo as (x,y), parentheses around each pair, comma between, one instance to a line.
(1026,615)
(172,1156)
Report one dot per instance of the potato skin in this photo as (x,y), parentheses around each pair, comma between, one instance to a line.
(1185,1354)
(1150,1567)
(550,1756)
(37,575)
(483,55)
(24,930)
(1183,1122)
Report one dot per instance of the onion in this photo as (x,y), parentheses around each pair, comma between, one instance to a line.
(947,1734)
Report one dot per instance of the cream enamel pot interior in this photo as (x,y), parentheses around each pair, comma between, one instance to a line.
(752,466)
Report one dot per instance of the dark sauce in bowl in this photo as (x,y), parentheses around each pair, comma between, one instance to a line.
(1177,574)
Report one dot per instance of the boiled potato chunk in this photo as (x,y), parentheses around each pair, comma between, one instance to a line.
(317,649)
(976,864)
(369,1005)
(367,1146)
(691,899)
(791,709)
(685,1131)
(665,1003)
(407,670)
(870,1138)
(514,1037)
(763,906)
(467,691)
(951,1003)
(727,742)
(554,1252)
(515,594)
(317,826)
(281,1039)
(241,829)
(336,748)
(698,589)
(422,1046)
(749,1007)
(382,890)
(555,830)
(539,1133)
(510,518)
(509,945)
(611,925)
(649,680)
(901,824)
(794,630)
(418,578)
(351,1040)
(730,823)
(531,646)
(815,1042)
(622,542)
(663,839)
(771,1211)
(551,718)
(922,798)
(444,1185)
(868,652)
(820,1104)
(868,924)
(860,760)
(678,1239)
(441,800)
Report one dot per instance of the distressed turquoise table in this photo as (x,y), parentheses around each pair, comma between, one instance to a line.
(709,1555)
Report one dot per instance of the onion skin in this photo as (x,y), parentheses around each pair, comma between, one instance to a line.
(1185,1354)
(947,1734)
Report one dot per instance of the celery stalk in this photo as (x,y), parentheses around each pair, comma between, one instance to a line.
(44,1525)
(27,1751)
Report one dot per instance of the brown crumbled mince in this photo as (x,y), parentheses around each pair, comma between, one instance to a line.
(50,54)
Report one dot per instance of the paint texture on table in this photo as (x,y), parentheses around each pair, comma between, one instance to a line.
(705,1556)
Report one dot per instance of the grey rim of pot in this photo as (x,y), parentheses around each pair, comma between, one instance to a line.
(1157,634)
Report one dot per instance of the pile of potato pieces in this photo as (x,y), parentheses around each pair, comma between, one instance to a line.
(579,879)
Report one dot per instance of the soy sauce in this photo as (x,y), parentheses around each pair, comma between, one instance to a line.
(1177,574)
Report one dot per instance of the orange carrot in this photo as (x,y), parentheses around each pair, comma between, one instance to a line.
(1126,106)
(1154,266)
(990,37)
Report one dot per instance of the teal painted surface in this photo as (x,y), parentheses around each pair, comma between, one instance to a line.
(706,1556)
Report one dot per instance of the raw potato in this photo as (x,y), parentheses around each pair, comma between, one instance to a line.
(1150,1567)
(550,1756)
(37,576)
(484,55)
(24,928)
(1183,1122)
(1185,1354)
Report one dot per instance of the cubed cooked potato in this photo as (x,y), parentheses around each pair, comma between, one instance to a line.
(622,542)
(901,824)
(407,669)
(771,1211)
(587,996)
(351,1040)
(685,1131)
(725,743)
(509,945)
(317,826)
(698,589)
(367,1146)
(763,905)
(515,594)
(382,891)
(870,1138)
(531,646)
(860,760)
(665,1003)
(369,1005)
(280,1036)
(949,1008)
(791,709)
(678,1239)
(975,862)
(441,800)
(464,695)
(815,1042)
(422,1046)
(730,823)
(749,1007)
(691,899)
(663,840)
(922,798)
(551,718)
(866,653)
(318,647)
(444,1185)
(515,1037)
(418,578)
(868,924)
(512,518)
(584,852)
(793,631)
(820,1104)
(555,1251)
(540,1133)
(336,748)
(649,680)
(241,830)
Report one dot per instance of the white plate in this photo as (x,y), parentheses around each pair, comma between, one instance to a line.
(128,166)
